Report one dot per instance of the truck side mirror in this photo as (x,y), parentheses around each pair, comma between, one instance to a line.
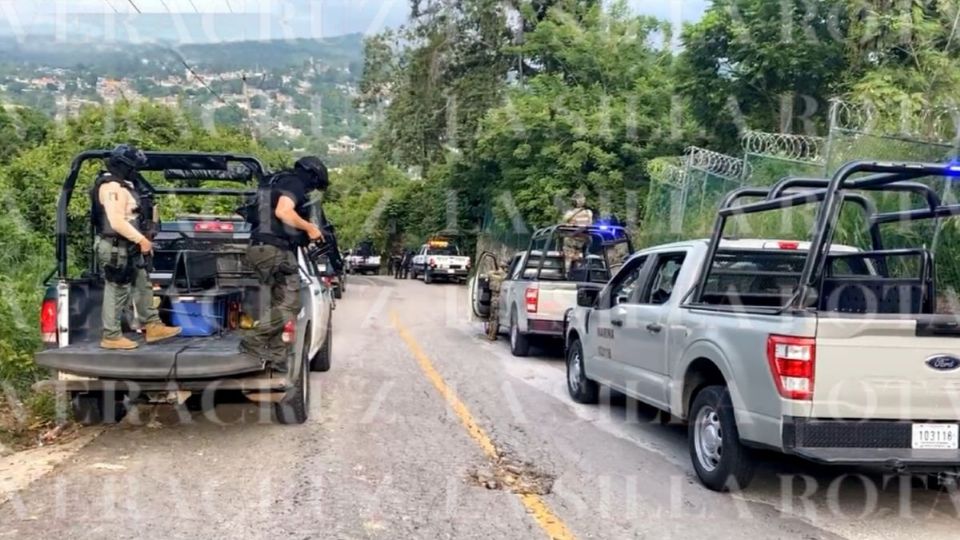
(587,296)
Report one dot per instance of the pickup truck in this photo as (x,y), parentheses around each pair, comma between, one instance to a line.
(196,258)
(363,260)
(542,282)
(440,260)
(818,350)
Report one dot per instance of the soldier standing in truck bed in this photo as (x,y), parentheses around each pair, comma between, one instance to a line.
(121,218)
(579,216)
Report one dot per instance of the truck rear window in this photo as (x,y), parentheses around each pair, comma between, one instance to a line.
(753,278)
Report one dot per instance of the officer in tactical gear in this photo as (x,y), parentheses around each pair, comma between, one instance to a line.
(578,216)
(122,216)
(495,282)
(283,225)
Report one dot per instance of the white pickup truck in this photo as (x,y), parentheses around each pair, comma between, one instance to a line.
(440,260)
(363,260)
(541,283)
(202,284)
(818,350)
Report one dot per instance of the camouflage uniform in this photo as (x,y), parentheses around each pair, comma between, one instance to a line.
(495,280)
(572,245)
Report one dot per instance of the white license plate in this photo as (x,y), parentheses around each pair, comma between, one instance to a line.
(935,436)
(451,271)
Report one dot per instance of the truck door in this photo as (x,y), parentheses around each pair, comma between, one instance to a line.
(312,301)
(509,287)
(602,364)
(642,329)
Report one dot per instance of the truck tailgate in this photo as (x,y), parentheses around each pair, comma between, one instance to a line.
(206,357)
(878,369)
(553,300)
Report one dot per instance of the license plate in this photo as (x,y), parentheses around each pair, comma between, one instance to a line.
(451,271)
(935,436)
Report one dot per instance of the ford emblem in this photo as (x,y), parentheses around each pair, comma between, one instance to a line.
(943,362)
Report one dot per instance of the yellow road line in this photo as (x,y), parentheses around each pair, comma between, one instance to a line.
(535,505)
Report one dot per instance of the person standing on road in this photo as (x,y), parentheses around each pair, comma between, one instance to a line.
(121,220)
(283,225)
(405,264)
(396,261)
(495,281)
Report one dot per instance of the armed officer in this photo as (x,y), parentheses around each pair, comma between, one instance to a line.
(282,226)
(122,216)
(495,280)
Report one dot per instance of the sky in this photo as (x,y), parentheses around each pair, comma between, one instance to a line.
(193,21)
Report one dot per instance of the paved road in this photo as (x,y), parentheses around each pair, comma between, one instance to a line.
(420,430)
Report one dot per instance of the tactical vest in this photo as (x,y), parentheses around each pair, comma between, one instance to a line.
(267,227)
(98,214)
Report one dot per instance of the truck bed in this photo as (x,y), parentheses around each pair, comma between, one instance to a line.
(179,358)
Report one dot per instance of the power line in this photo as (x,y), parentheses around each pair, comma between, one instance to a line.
(194,7)
(134,6)
(229,6)
(111,6)
(196,75)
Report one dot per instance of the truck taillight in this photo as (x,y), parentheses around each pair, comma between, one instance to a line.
(213,226)
(289,332)
(792,362)
(48,320)
(532,297)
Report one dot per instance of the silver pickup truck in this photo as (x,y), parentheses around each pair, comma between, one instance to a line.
(823,351)
(541,283)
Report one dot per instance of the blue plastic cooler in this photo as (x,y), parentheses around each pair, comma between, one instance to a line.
(203,314)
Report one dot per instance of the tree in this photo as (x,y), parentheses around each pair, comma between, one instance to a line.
(763,65)
(231,116)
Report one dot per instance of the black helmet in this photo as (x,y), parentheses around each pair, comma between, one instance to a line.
(310,167)
(124,160)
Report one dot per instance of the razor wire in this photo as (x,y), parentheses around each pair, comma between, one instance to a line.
(789,146)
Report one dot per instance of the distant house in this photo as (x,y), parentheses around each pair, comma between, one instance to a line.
(347,145)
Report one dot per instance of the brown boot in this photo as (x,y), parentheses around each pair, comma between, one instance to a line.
(155,332)
(118,344)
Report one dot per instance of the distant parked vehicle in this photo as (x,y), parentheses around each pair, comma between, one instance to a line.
(440,259)
(364,260)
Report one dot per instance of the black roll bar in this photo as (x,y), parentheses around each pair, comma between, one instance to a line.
(830,209)
(156,161)
(869,209)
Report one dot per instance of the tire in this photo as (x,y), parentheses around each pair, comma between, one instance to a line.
(580,388)
(321,361)
(427,277)
(95,408)
(519,342)
(338,292)
(721,461)
(295,405)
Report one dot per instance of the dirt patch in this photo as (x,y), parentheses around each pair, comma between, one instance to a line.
(513,475)
(21,430)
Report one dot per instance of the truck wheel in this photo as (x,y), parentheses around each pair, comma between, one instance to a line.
(321,362)
(519,342)
(295,405)
(581,389)
(427,277)
(95,408)
(721,461)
